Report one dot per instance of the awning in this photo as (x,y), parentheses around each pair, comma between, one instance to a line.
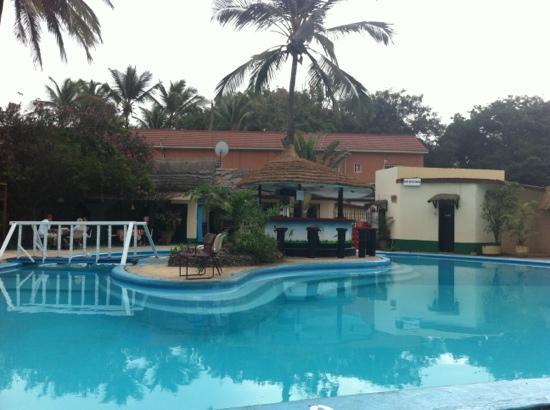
(452,198)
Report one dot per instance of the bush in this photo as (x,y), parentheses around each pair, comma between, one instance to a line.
(500,202)
(252,240)
(247,219)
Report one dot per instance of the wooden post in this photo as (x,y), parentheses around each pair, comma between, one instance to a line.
(340,203)
(260,195)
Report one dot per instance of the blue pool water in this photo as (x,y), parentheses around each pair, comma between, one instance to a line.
(78,340)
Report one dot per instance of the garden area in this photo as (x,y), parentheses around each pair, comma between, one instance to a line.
(236,215)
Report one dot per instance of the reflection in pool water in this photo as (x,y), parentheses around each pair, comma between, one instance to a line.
(78,340)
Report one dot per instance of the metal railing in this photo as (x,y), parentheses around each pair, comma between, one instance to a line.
(67,293)
(69,232)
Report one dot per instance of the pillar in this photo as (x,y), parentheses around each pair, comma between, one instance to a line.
(341,251)
(340,203)
(298,206)
(199,223)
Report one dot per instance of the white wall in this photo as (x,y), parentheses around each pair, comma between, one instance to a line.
(416,219)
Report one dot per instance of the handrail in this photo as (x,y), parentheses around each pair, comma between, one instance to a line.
(40,242)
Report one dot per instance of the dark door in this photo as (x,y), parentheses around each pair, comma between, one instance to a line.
(446,227)
(180,236)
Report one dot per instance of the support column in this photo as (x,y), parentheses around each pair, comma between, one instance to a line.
(341,250)
(281,238)
(298,205)
(199,223)
(260,195)
(340,203)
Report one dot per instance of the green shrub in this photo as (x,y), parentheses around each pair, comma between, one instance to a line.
(247,219)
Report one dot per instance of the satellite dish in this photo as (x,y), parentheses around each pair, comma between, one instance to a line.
(221,149)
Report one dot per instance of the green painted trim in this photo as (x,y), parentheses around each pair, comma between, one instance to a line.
(408,245)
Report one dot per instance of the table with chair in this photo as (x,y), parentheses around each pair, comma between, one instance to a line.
(203,255)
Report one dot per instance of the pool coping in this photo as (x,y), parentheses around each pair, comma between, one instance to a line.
(122,275)
(471,258)
(514,394)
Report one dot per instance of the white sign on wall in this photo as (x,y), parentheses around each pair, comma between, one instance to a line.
(412,182)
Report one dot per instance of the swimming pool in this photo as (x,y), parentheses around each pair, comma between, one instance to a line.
(80,339)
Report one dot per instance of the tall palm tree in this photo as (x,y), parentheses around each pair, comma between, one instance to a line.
(154,118)
(177,100)
(232,111)
(131,88)
(62,98)
(72,17)
(301,23)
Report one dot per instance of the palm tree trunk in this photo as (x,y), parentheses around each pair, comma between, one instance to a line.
(291,127)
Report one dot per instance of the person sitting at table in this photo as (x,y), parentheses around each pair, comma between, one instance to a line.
(45,232)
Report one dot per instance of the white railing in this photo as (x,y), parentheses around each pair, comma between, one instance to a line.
(79,231)
(67,293)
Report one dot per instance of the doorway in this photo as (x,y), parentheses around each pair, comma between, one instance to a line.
(180,235)
(446,226)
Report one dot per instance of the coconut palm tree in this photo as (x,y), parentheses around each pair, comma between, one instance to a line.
(232,111)
(72,17)
(94,89)
(177,100)
(307,149)
(131,88)
(154,118)
(301,23)
(62,98)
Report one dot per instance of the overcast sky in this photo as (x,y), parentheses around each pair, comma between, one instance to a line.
(457,53)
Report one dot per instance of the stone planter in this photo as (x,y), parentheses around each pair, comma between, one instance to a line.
(491,250)
(522,250)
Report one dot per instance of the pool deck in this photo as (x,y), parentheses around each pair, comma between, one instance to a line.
(517,394)
(161,271)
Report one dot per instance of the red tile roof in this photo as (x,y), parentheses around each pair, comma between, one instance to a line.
(270,140)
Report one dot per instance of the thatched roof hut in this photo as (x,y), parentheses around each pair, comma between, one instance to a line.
(182,176)
(290,168)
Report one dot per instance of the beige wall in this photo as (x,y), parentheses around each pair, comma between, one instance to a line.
(456,173)
(191,214)
(416,219)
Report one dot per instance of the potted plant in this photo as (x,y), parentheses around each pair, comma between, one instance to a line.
(497,207)
(519,226)
(166,222)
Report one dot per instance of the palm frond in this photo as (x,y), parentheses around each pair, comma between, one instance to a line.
(234,80)
(381,32)
(338,82)
(245,13)
(327,45)
(268,64)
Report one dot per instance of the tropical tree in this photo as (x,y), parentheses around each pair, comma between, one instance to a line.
(94,89)
(131,88)
(153,118)
(305,36)
(178,100)
(72,17)
(497,209)
(232,111)
(331,156)
(62,98)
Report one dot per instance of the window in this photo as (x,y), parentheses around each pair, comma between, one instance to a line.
(387,165)
(358,168)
